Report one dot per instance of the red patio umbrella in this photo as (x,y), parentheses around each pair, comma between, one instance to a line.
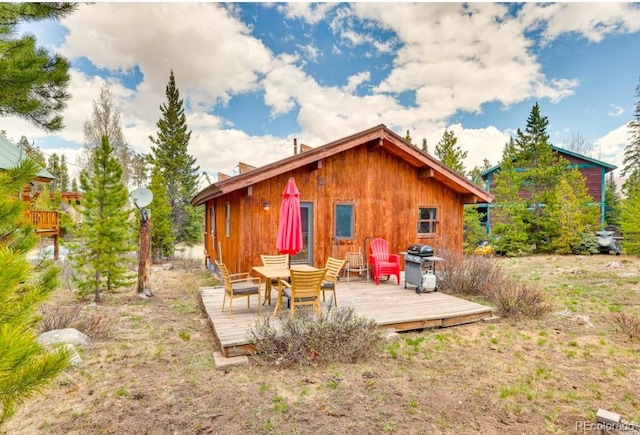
(289,224)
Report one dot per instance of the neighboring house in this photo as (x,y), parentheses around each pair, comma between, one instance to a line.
(593,170)
(367,185)
(46,222)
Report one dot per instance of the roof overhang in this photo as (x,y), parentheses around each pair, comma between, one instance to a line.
(379,137)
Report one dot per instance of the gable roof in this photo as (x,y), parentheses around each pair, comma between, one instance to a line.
(607,166)
(11,155)
(376,137)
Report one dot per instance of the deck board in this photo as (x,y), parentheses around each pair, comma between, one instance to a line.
(389,304)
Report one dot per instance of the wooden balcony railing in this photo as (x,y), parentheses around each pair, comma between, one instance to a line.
(45,221)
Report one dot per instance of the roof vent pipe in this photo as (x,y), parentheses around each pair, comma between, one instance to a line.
(295,146)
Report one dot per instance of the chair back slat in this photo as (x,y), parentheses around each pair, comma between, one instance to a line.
(306,284)
(225,277)
(379,248)
(333,266)
(275,260)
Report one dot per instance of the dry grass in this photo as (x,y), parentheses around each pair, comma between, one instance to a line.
(628,324)
(155,373)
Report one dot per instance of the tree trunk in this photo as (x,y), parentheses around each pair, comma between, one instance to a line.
(144,255)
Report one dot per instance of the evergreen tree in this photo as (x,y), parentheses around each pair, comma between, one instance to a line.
(630,220)
(74,185)
(408,138)
(611,201)
(32,151)
(538,171)
(571,217)
(53,166)
(105,238)
(476,174)
(33,82)
(25,367)
(140,170)
(425,147)
(631,159)
(450,154)
(63,175)
(162,239)
(105,121)
(170,154)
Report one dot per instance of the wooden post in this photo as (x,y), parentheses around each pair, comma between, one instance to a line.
(144,255)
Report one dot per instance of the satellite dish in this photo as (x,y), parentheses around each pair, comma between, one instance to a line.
(141,197)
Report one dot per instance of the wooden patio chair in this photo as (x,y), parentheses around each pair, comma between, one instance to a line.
(382,262)
(238,285)
(304,289)
(274,260)
(356,263)
(333,266)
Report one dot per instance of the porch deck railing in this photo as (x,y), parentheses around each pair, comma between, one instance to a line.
(45,220)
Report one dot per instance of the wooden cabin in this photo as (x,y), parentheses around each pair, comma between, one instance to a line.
(367,185)
(593,170)
(46,222)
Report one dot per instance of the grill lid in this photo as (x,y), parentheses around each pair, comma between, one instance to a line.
(420,250)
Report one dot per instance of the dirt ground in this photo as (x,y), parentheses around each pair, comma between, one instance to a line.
(154,373)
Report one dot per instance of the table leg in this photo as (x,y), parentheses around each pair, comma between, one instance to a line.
(279,300)
(267,291)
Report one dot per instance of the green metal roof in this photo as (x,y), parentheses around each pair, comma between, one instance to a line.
(11,155)
(607,166)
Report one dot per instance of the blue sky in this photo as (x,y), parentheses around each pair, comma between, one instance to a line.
(255,76)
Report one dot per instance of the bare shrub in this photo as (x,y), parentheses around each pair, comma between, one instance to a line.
(468,275)
(338,336)
(628,324)
(94,325)
(517,300)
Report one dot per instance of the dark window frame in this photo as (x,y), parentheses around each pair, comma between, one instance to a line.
(338,227)
(432,222)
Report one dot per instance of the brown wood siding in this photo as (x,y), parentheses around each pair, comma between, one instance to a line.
(385,191)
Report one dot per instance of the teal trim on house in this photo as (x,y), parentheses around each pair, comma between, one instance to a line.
(602,203)
(11,155)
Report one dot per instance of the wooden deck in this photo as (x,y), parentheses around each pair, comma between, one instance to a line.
(391,306)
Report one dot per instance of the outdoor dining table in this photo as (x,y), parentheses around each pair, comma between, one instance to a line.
(270,273)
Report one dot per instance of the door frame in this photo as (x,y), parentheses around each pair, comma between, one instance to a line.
(309,260)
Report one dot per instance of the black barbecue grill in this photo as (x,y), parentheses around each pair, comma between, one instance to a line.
(419,260)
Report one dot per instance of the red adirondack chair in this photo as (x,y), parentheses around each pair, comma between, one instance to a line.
(382,262)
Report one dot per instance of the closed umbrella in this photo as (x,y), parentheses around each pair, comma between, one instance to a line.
(289,239)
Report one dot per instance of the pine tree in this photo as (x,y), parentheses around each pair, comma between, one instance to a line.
(171,155)
(105,238)
(630,220)
(105,121)
(476,174)
(162,239)
(611,201)
(568,211)
(425,147)
(25,367)
(74,185)
(450,154)
(32,151)
(63,175)
(539,171)
(631,159)
(33,82)
(140,170)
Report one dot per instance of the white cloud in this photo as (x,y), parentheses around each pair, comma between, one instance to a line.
(610,147)
(593,21)
(458,57)
(616,110)
(311,13)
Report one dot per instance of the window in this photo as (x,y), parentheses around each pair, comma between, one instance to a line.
(343,221)
(427,220)
(227,219)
